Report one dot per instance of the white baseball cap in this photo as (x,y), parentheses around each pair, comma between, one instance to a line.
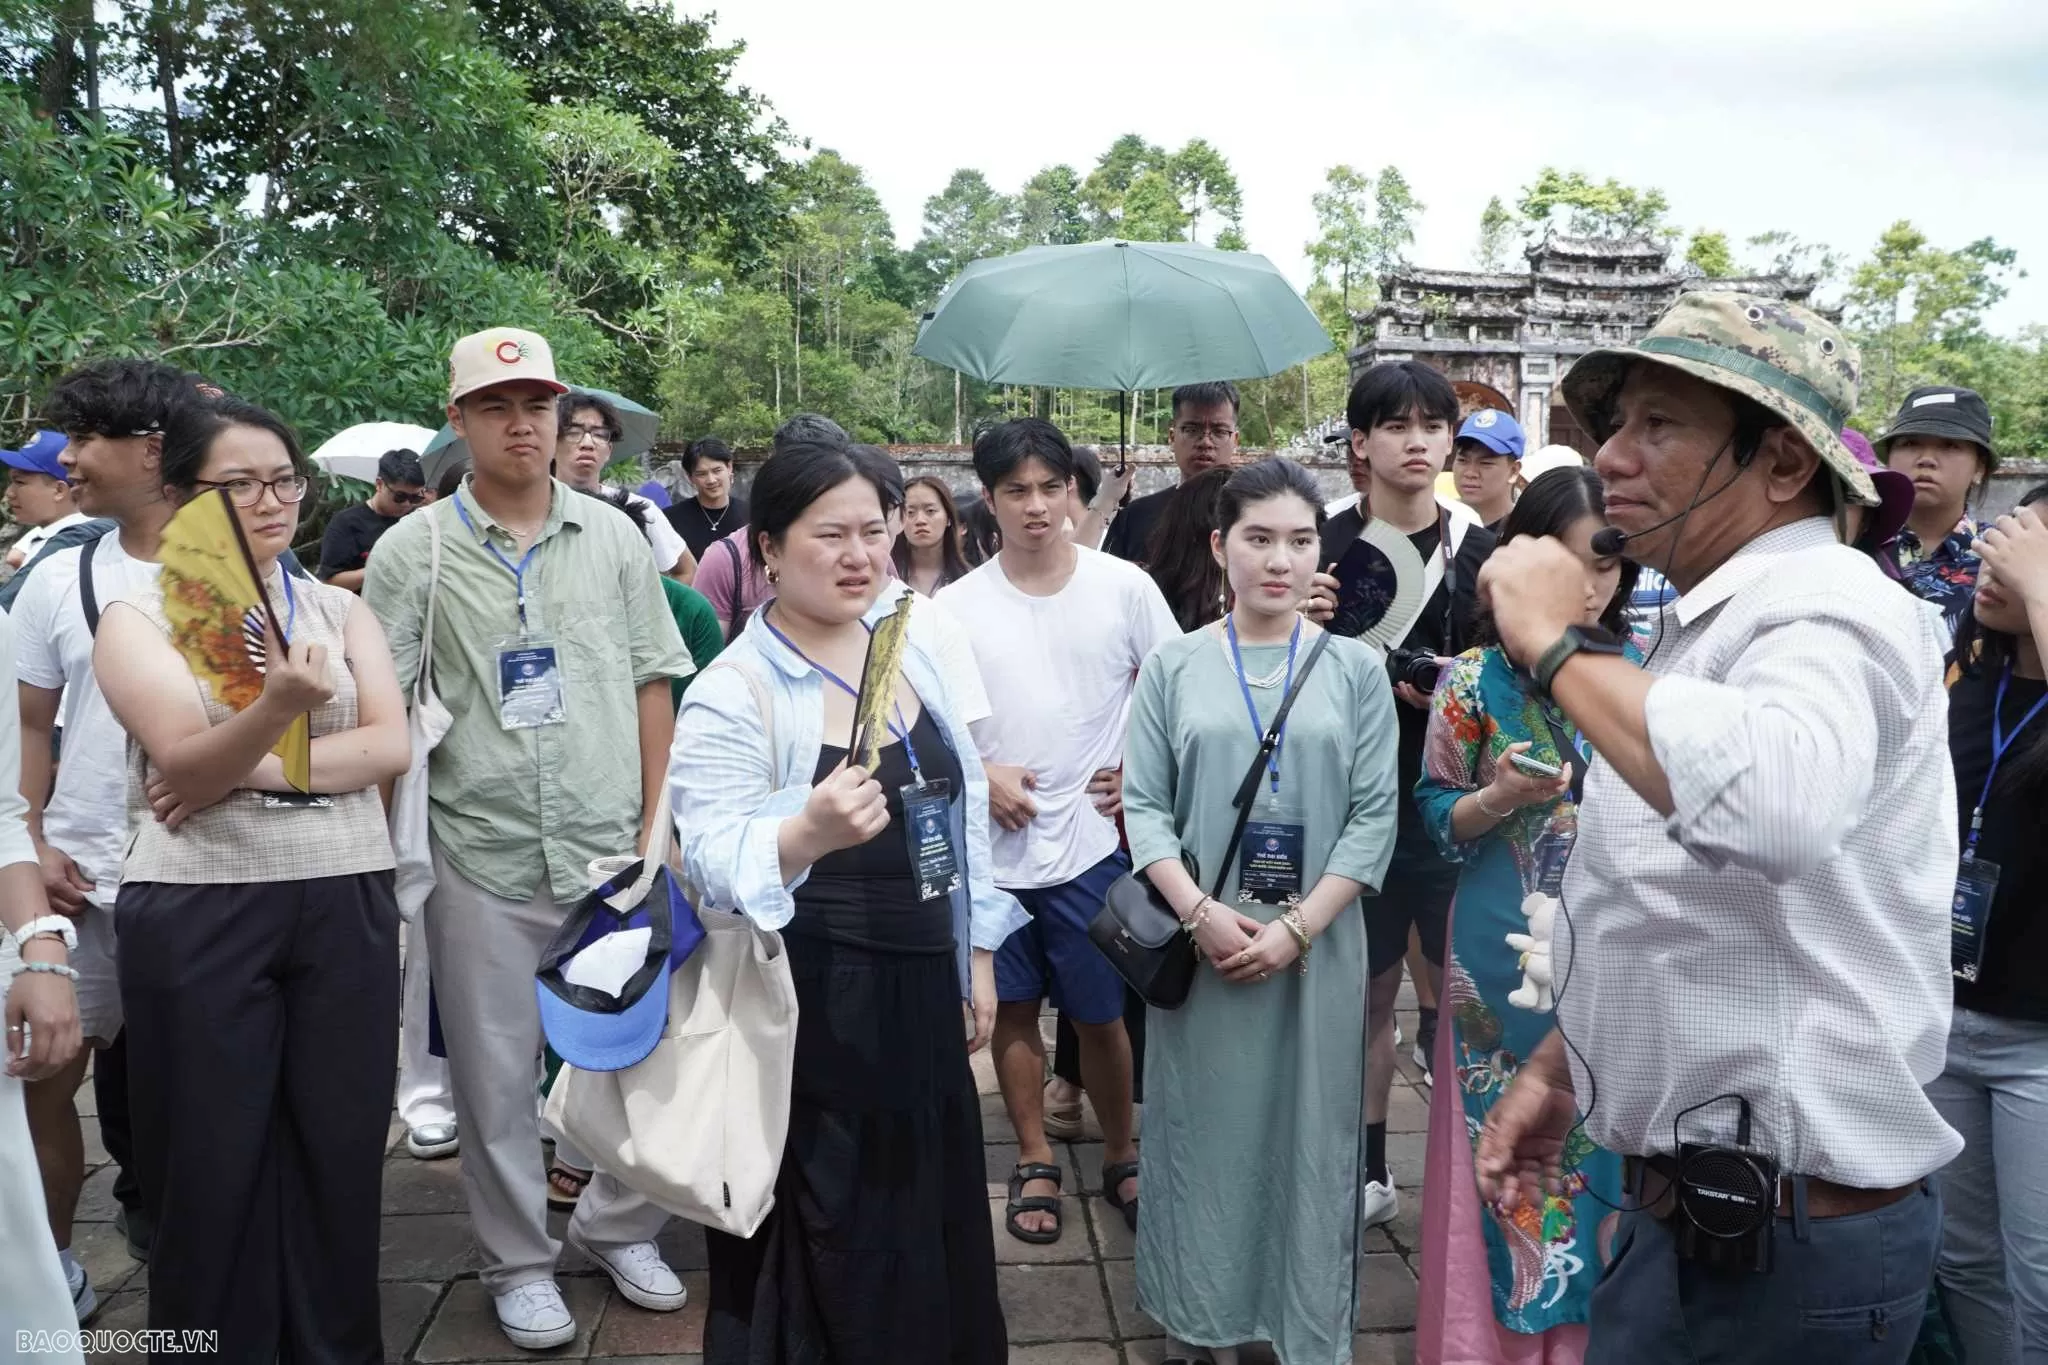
(1541,462)
(500,355)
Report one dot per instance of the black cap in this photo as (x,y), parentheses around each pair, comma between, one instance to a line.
(1942,410)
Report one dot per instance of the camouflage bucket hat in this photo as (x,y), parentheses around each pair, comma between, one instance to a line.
(1791,360)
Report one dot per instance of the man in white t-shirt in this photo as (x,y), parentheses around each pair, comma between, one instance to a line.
(589,428)
(113,413)
(1058,632)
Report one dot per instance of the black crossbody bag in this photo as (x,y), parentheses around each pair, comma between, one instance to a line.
(1139,932)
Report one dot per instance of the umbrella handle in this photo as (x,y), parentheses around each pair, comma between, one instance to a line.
(1123,442)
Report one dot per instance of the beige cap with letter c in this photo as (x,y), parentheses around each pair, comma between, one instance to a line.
(500,355)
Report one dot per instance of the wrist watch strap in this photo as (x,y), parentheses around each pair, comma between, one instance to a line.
(1592,639)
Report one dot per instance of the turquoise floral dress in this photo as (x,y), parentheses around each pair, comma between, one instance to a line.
(1544,1262)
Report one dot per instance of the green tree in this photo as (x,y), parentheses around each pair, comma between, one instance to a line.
(1152,211)
(1789,255)
(1918,311)
(1497,228)
(1708,254)
(1607,209)
(1344,246)
(1203,180)
(1050,211)
(1103,193)
(1395,209)
(963,222)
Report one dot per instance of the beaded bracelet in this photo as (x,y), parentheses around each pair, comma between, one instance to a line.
(1198,917)
(53,968)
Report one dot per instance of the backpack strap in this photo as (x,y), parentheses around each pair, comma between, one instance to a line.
(739,580)
(88,591)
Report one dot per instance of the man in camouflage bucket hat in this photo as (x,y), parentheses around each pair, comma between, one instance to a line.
(1752,948)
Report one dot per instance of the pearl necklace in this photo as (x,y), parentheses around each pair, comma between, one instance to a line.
(1266,681)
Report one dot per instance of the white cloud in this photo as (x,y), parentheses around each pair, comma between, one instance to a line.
(1822,117)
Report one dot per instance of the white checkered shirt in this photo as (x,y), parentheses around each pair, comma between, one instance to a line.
(1784,934)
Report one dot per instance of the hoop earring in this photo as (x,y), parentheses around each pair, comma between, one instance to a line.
(773,575)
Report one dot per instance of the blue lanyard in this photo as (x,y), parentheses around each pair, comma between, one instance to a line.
(518,571)
(1258,730)
(2001,742)
(898,728)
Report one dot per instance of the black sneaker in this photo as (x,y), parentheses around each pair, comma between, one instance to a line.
(1425,1045)
(136,1229)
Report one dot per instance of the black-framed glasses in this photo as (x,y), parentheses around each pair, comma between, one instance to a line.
(249,492)
(575,432)
(1215,431)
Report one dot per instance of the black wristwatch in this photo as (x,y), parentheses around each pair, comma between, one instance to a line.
(1591,639)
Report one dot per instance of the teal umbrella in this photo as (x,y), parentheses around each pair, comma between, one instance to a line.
(638,429)
(1121,315)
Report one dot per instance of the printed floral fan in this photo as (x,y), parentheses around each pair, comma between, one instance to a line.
(217,609)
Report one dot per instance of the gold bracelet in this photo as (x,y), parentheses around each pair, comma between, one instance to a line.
(1479,799)
(1198,917)
(1297,925)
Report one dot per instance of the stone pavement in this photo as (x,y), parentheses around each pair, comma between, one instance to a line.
(1072,1303)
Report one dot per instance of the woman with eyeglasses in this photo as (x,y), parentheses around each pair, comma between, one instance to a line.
(259,956)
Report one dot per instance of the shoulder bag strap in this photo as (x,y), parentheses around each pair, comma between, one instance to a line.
(88,593)
(1567,753)
(762,705)
(1247,790)
(422,685)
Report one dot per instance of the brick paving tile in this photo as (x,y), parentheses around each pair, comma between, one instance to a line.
(96,1201)
(406,1308)
(1053,1303)
(1065,1353)
(1386,1293)
(629,1330)
(1383,1348)
(1408,1109)
(413,1187)
(426,1246)
(122,1313)
(1131,1320)
(1113,1236)
(104,1253)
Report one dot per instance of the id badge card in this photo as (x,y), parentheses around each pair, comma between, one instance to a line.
(1553,850)
(529,683)
(1970,916)
(297,801)
(1270,856)
(928,826)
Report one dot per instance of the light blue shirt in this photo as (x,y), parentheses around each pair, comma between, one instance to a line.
(735,776)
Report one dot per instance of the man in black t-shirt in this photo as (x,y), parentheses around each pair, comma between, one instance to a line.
(1204,436)
(1402,415)
(714,512)
(345,549)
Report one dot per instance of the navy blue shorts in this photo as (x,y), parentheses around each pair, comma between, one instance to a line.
(1053,957)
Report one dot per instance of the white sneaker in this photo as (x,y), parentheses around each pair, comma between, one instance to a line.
(1381,1204)
(1421,1060)
(84,1302)
(641,1275)
(534,1317)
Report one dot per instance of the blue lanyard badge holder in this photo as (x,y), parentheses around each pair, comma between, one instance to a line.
(530,691)
(1270,853)
(1977,878)
(935,860)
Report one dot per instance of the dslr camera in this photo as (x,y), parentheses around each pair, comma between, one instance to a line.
(1416,667)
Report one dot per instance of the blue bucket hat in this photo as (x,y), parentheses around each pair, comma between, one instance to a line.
(1498,431)
(39,456)
(591,1028)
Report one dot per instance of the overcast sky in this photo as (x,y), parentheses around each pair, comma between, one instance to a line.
(1822,117)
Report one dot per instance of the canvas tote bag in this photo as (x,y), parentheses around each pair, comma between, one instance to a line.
(426,726)
(698,1126)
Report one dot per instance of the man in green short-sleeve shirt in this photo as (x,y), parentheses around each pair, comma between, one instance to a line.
(553,649)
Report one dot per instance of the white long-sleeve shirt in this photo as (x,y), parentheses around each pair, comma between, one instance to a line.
(1783,935)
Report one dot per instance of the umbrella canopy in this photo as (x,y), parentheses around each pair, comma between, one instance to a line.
(1121,315)
(353,453)
(638,426)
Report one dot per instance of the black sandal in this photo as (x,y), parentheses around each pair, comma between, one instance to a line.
(1113,1177)
(1035,1203)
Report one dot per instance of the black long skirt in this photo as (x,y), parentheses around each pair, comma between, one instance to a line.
(879,1247)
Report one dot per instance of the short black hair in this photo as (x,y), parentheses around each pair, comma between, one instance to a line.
(1205,396)
(1268,478)
(451,479)
(882,471)
(195,425)
(999,449)
(1392,389)
(1087,472)
(808,428)
(401,467)
(705,448)
(124,396)
(796,476)
(575,400)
